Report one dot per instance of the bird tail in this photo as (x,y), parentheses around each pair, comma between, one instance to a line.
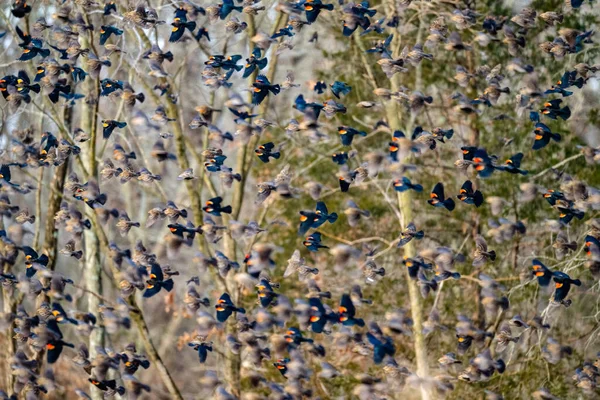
(500,365)
(140,97)
(66,89)
(520,227)
(477,198)
(564,113)
(226,209)
(328,7)
(332,217)
(191,25)
(168,285)
(492,255)
(449,204)
(101,199)
(503,303)
(275,89)
(276,155)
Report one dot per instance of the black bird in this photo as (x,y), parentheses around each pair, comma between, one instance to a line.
(261,88)
(310,219)
(468,196)
(543,134)
(437,198)
(265,152)
(225,308)
(213,206)
(346,312)
(266,295)
(562,285)
(180,24)
(109,125)
(513,164)
(202,348)
(382,346)
(54,348)
(106,31)
(541,272)
(157,281)
(33,261)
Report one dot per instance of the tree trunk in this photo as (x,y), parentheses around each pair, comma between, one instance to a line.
(405,206)
(92,266)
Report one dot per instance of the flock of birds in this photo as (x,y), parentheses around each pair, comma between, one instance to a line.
(62,64)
